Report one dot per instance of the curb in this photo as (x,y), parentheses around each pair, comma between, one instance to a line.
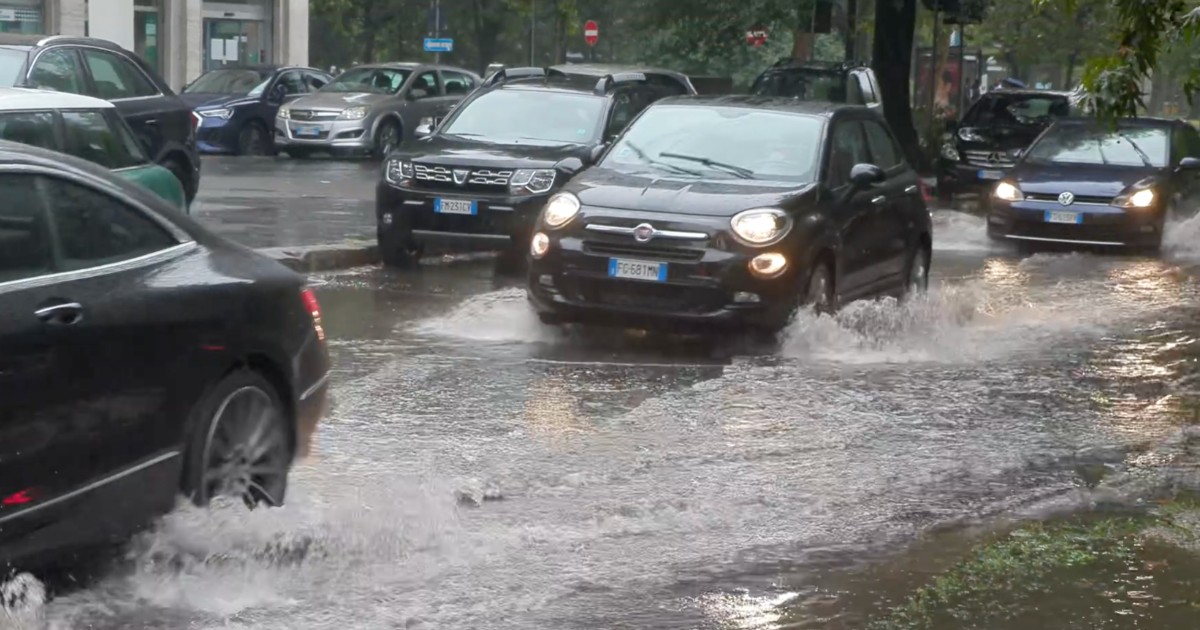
(355,253)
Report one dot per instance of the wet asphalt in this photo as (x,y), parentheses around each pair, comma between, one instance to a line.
(480,470)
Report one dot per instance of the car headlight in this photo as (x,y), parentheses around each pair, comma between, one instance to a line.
(396,171)
(1143,198)
(970,135)
(224,113)
(949,152)
(1008,192)
(353,113)
(560,210)
(284,113)
(761,227)
(537,181)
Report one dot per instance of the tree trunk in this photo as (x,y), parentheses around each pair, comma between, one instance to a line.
(370,30)
(487,32)
(802,44)
(1069,75)
(892,62)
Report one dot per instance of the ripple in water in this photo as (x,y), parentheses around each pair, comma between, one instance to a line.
(955,231)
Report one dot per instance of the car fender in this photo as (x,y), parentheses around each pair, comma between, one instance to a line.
(388,116)
(817,234)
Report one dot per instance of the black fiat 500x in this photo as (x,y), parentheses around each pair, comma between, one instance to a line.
(732,210)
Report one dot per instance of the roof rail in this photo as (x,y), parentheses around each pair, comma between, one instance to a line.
(606,83)
(505,74)
(50,38)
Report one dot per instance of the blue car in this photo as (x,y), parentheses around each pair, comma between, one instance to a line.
(236,105)
(1085,183)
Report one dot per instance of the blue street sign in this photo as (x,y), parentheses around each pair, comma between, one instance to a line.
(439,45)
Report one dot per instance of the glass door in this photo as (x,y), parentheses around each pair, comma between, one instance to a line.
(234,43)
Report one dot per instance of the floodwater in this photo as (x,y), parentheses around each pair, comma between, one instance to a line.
(480,470)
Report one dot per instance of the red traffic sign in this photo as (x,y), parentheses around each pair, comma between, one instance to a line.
(591,32)
(756,37)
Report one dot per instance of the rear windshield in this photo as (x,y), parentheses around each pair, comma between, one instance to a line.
(11,62)
(806,85)
(1088,144)
(1016,109)
(515,116)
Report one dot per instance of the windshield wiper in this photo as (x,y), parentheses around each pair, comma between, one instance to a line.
(649,160)
(739,171)
(1140,152)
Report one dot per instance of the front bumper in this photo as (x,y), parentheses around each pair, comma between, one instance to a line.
(405,215)
(1099,225)
(704,285)
(216,135)
(326,134)
(964,177)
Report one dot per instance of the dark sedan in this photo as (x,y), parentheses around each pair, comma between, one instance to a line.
(733,210)
(143,358)
(237,105)
(1085,183)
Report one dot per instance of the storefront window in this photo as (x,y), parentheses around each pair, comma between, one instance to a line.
(147,16)
(237,32)
(22,16)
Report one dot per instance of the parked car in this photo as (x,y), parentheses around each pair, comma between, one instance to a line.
(485,173)
(1085,183)
(160,120)
(991,135)
(87,128)
(370,108)
(143,358)
(734,210)
(846,82)
(669,80)
(237,104)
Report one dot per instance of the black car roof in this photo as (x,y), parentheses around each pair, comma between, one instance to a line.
(1025,92)
(598,70)
(575,85)
(785,104)
(1139,121)
(20,39)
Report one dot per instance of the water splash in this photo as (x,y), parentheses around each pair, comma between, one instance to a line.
(498,317)
(1182,239)
(961,232)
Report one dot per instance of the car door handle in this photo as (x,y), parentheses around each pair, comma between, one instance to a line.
(879,201)
(153,122)
(912,190)
(64,314)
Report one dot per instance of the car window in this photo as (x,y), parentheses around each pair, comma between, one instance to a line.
(847,147)
(315,81)
(25,249)
(96,229)
(369,80)
(291,83)
(91,135)
(427,81)
(116,77)
(457,83)
(805,84)
(11,63)
(626,106)
(1008,109)
(521,116)
(1191,141)
(884,152)
(58,69)
(226,81)
(32,128)
(1098,145)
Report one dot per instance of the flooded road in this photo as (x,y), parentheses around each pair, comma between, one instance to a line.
(480,470)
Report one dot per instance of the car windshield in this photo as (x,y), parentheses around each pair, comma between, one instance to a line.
(228,81)
(372,80)
(1000,109)
(727,142)
(1091,144)
(11,62)
(807,85)
(516,115)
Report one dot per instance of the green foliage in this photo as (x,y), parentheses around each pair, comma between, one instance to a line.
(1058,34)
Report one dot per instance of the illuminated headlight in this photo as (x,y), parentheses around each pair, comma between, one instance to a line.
(224,113)
(353,113)
(536,181)
(1143,198)
(284,113)
(560,210)
(768,265)
(539,245)
(761,227)
(396,171)
(970,135)
(949,152)
(1008,192)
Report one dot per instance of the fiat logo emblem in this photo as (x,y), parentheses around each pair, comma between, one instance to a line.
(1066,198)
(644,232)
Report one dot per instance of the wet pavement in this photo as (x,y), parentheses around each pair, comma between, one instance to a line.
(278,202)
(480,470)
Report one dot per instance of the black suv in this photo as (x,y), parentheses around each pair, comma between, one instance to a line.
(484,174)
(845,82)
(95,67)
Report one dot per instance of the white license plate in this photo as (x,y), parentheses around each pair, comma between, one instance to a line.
(454,206)
(306,131)
(988,174)
(1063,217)
(637,270)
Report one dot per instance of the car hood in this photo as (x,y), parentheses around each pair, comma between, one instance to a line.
(1000,137)
(338,100)
(606,188)
(197,100)
(445,150)
(1081,179)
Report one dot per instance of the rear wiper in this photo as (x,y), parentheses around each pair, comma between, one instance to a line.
(649,160)
(1140,152)
(740,171)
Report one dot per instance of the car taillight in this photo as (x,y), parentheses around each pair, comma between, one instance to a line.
(925,193)
(310,304)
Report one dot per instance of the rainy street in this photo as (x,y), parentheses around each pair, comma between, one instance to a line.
(481,470)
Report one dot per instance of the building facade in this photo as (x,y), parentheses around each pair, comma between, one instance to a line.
(182,38)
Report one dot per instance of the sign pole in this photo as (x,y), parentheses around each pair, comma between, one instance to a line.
(532,29)
(437,29)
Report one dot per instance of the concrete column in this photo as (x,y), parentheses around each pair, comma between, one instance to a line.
(66,17)
(182,48)
(290,32)
(111,20)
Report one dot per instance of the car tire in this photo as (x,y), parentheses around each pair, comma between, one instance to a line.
(387,137)
(916,274)
(550,319)
(185,177)
(399,252)
(819,289)
(241,443)
(253,140)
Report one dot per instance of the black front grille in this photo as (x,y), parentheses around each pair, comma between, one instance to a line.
(1078,198)
(988,159)
(498,223)
(652,252)
(651,296)
(308,114)
(481,179)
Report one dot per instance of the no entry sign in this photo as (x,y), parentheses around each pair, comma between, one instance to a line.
(591,32)
(756,37)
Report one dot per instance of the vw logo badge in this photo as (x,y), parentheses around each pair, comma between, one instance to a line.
(1066,198)
(460,176)
(644,232)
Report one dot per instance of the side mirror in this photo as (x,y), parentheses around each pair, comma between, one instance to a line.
(277,95)
(866,175)
(1189,164)
(424,130)
(597,152)
(417,94)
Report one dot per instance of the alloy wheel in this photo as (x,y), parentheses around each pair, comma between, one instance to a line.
(388,138)
(246,454)
(817,297)
(918,273)
(252,141)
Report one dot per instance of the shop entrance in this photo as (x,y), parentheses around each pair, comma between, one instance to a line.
(232,42)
